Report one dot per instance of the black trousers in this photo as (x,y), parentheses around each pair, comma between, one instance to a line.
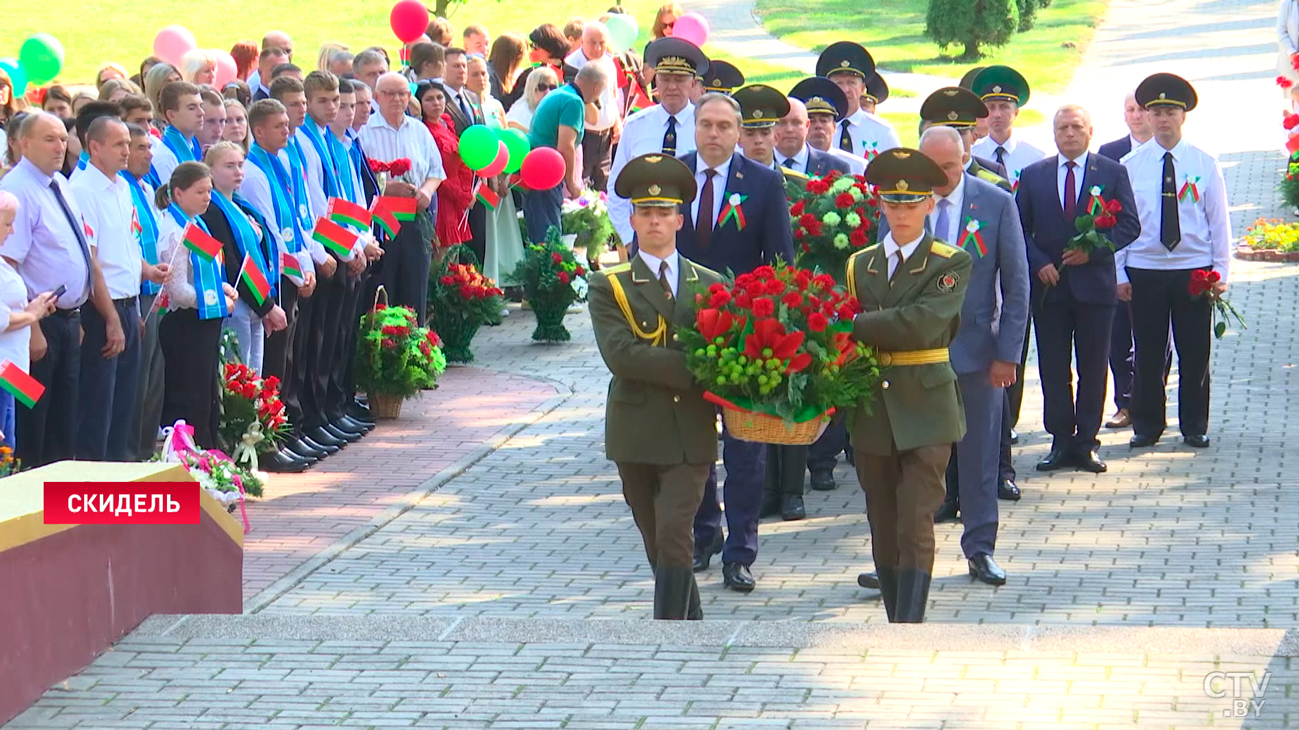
(106,419)
(1123,357)
(785,473)
(191,347)
(47,432)
(1158,298)
(276,356)
(822,456)
(406,262)
(478,232)
(1069,329)
(338,391)
(324,331)
(301,405)
(597,157)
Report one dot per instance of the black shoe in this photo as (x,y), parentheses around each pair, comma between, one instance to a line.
(1008,491)
(347,423)
(359,411)
(947,511)
(738,578)
(278,462)
(984,568)
(912,596)
(1089,461)
(327,449)
(301,448)
(338,433)
(1057,459)
(325,438)
(869,580)
(705,556)
(1014,436)
(823,481)
(1140,441)
(887,579)
(791,508)
(1199,441)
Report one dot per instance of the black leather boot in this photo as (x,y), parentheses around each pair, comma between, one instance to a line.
(888,578)
(913,596)
(673,585)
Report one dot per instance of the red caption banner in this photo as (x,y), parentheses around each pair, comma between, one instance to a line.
(121,503)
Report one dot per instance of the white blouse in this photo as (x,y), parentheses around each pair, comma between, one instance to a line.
(180,289)
(13,345)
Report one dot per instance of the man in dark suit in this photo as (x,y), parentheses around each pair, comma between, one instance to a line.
(738,222)
(466,110)
(1074,291)
(794,153)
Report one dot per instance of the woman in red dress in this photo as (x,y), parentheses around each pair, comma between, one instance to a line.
(455,194)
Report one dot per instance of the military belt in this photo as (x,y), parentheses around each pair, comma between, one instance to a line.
(913,357)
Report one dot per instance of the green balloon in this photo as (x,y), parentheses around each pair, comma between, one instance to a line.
(42,58)
(17,76)
(478,146)
(518,145)
(622,32)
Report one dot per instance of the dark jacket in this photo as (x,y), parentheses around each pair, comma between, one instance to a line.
(234,258)
(766,234)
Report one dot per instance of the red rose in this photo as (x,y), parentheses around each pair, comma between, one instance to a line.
(792,299)
(843,200)
(817,322)
(763,307)
(466,294)
(1105,221)
(719,299)
(1198,275)
(1294,61)
(1113,206)
(563,277)
(1283,82)
(271,383)
(1213,277)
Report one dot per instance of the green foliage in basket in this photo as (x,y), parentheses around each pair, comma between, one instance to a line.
(395,356)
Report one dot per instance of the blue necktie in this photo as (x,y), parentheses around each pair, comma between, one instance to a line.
(944,220)
(76,229)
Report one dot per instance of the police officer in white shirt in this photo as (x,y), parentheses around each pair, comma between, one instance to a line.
(667,127)
(1182,204)
(860,132)
(1004,91)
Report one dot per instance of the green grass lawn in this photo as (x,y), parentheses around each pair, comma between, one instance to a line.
(907,124)
(893,31)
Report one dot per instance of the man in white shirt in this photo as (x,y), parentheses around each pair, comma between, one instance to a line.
(1004,91)
(1182,204)
(860,132)
(667,127)
(826,105)
(601,134)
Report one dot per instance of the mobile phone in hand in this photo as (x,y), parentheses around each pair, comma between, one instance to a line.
(63,289)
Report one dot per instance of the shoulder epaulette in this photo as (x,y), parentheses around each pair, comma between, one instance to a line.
(616,269)
(938,248)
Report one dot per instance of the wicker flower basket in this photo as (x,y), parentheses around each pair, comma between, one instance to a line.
(762,428)
(385,406)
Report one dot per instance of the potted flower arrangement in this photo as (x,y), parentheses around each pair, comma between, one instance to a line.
(253,420)
(586,219)
(395,358)
(460,301)
(552,281)
(774,350)
(226,481)
(9,464)
(832,218)
(1271,240)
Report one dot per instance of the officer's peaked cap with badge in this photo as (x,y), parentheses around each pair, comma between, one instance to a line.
(967,81)
(761,106)
(904,175)
(952,106)
(1165,89)
(723,77)
(845,57)
(676,56)
(1000,83)
(877,88)
(821,96)
(656,180)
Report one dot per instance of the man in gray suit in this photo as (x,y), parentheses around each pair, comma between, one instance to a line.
(982,219)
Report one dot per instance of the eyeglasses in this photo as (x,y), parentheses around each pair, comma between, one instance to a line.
(546,87)
(395,94)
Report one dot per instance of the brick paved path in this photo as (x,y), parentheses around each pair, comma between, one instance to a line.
(475,608)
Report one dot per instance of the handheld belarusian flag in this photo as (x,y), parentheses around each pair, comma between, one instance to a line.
(334,237)
(384,217)
(251,274)
(486,195)
(290,267)
(201,243)
(403,209)
(25,388)
(349,213)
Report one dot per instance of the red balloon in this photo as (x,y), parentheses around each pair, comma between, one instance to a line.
(409,20)
(499,164)
(543,168)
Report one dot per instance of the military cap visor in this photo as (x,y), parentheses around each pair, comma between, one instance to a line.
(673,55)
(656,180)
(761,106)
(877,90)
(845,57)
(821,96)
(904,175)
(952,106)
(723,76)
(1000,83)
(1168,90)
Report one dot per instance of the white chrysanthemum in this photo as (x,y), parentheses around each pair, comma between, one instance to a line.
(852,220)
(841,184)
(841,241)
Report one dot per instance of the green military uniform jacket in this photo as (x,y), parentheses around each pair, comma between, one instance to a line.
(914,405)
(655,412)
(987,175)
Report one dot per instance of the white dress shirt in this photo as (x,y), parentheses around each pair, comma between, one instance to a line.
(164,160)
(316,198)
(856,165)
(411,140)
(642,133)
(1061,171)
(1205,225)
(719,187)
(42,244)
(14,346)
(891,249)
(108,210)
(871,135)
(956,203)
(256,189)
(797,163)
(1019,154)
(674,266)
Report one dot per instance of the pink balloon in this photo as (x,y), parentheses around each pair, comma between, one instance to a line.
(172,43)
(226,70)
(691,27)
(499,164)
(542,169)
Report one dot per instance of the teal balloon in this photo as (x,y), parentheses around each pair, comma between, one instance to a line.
(42,58)
(478,146)
(518,145)
(494,124)
(17,76)
(622,32)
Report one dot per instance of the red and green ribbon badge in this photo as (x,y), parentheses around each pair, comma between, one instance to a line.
(731,210)
(1014,184)
(871,149)
(1097,205)
(1189,188)
(972,241)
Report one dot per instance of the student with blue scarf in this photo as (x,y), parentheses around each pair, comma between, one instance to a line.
(182,110)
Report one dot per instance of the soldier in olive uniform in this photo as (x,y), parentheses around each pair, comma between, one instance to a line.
(659,430)
(911,288)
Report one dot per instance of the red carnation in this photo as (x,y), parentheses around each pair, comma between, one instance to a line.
(1283,82)
(802,278)
(857,238)
(563,277)
(1294,61)
(466,294)
(807,220)
(766,273)
(743,301)
(387,343)
(817,322)
(824,281)
(843,200)
(399,166)
(763,307)
(792,299)
(579,271)
(719,299)
(378,166)
(557,258)
(796,209)
(799,235)
(872,202)
(845,312)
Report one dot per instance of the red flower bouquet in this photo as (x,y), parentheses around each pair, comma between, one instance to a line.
(460,300)
(395,357)
(1201,286)
(252,420)
(775,350)
(832,217)
(1101,216)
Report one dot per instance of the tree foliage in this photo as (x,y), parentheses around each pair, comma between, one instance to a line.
(972,23)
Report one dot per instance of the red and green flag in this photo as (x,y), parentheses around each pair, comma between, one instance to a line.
(251,274)
(486,195)
(201,242)
(290,267)
(403,209)
(24,387)
(384,215)
(334,237)
(349,213)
